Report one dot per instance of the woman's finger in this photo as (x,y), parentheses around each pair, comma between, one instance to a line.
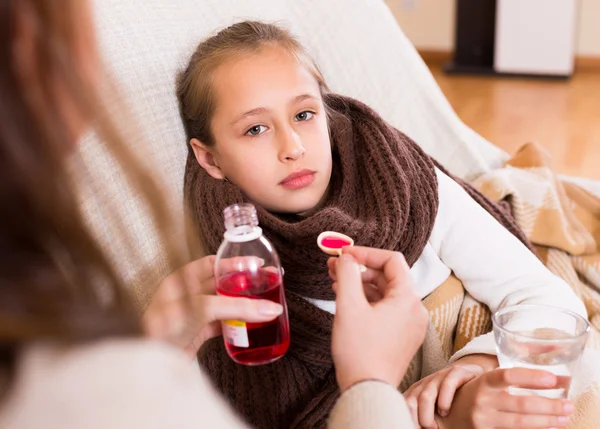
(369,275)
(198,275)
(212,330)
(201,269)
(370,290)
(166,321)
(207,287)
(331,264)
(396,271)
(534,405)
(375,259)
(240,263)
(214,308)
(349,288)
(195,278)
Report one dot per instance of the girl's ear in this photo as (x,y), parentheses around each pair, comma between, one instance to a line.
(206,158)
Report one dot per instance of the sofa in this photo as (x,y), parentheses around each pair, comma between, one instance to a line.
(359,46)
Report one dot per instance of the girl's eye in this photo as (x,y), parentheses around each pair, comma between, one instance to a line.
(304,116)
(256,130)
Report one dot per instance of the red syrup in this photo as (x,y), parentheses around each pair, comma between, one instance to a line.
(255,343)
(332,242)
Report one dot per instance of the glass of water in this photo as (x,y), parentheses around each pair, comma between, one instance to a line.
(540,337)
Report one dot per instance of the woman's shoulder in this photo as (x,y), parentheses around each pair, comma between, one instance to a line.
(113,383)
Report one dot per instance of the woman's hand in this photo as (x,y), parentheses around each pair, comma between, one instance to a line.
(439,388)
(485,402)
(186,311)
(374,341)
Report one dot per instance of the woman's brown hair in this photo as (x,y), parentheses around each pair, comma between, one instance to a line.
(194,91)
(56,283)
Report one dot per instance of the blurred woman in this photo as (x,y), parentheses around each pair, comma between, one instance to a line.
(72,347)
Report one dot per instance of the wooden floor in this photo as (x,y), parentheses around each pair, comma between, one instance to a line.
(562,116)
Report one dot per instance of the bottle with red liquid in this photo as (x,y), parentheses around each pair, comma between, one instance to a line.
(247,266)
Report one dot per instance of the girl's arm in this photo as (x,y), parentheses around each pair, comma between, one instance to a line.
(497,270)
(493,265)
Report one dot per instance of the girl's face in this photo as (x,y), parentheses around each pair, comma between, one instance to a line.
(270,130)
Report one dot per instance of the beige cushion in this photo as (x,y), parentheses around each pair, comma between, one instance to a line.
(358,44)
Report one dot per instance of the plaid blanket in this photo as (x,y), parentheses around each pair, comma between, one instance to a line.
(563,221)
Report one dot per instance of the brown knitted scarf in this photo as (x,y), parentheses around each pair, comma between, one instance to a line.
(383,193)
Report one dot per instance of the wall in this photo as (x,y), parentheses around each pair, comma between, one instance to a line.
(429,24)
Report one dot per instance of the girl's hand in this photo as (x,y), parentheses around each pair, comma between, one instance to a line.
(186,311)
(374,341)
(485,403)
(439,388)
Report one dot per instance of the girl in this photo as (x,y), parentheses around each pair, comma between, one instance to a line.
(264,128)
(72,351)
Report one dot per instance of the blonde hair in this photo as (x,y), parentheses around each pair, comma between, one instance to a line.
(194,84)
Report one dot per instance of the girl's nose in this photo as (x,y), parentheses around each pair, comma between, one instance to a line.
(292,148)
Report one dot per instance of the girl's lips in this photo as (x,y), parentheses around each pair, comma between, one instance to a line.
(298,180)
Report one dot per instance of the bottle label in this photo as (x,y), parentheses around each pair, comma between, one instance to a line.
(235,333)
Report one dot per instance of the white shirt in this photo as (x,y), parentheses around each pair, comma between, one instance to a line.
(493,265)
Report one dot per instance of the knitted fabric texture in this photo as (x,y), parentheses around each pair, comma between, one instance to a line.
(383,193)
